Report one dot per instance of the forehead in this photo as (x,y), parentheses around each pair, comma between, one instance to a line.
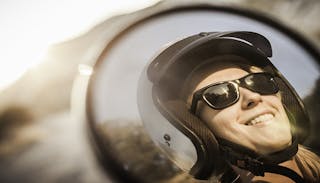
(225,74)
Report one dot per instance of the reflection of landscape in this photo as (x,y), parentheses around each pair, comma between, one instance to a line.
(139,155)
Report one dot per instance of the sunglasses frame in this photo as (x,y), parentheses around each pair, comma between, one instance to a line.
(199,94)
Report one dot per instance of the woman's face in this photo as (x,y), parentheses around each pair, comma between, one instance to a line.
(271,132)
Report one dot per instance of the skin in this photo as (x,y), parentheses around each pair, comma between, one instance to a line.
(230,123)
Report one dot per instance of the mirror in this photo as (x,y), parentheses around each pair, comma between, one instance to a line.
(111,104)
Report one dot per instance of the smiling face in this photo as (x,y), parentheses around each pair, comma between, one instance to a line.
(256,121)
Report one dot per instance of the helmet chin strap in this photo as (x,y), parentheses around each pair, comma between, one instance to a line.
(247,159)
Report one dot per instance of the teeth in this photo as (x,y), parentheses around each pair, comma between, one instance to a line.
(259,119)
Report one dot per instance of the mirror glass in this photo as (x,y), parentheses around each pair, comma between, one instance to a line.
(112,97)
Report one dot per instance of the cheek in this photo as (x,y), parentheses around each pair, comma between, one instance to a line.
(274,101)
(219,122)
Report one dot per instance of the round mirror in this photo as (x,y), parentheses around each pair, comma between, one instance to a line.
(121,139)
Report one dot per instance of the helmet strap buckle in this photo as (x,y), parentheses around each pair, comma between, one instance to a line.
(251,164)
(243,161)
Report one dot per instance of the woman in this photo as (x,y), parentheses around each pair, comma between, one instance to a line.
(259,120)
(220,92)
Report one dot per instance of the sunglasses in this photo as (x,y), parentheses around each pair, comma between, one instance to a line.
(224,94)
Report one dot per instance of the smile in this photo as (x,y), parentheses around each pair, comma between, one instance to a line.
(259,119)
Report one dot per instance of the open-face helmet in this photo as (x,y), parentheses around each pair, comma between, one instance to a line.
(182,136)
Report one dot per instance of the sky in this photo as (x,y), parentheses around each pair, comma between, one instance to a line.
(28,28)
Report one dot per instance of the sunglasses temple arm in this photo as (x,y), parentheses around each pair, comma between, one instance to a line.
(195,99)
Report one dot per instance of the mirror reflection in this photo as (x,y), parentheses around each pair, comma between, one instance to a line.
(138,99)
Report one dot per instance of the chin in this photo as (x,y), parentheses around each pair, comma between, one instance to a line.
(275,146)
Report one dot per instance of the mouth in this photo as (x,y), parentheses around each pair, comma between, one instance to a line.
(259,119)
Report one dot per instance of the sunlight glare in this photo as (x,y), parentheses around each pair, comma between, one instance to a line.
(28,28)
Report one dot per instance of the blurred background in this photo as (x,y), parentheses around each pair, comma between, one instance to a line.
(44,45)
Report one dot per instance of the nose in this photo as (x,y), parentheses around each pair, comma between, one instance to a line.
(249,98)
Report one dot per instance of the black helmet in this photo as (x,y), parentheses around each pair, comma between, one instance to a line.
(167,117)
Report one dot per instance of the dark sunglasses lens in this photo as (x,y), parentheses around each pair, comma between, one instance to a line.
(221,95)
(261,83)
